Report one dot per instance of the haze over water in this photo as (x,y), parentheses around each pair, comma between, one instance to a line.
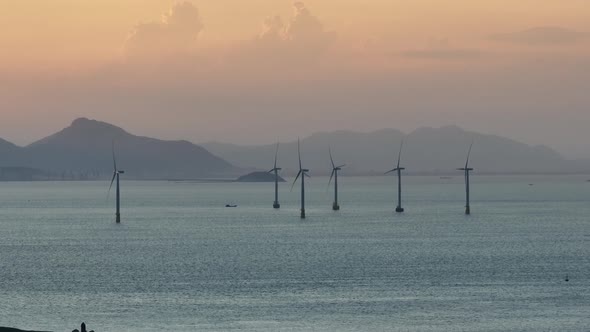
(181,261)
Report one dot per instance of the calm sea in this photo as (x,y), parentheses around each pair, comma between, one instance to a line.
(181,261)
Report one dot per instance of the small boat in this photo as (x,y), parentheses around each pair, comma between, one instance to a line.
(230,205)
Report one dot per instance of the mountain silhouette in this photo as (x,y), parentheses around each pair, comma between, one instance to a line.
(426,151)
(7,148)
(85,147)
(82,151)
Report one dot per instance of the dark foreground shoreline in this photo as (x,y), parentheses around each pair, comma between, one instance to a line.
(8,329)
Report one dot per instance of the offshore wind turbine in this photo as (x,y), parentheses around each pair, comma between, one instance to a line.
(302,173)
(116,173)
(466,169)
(399,170)
(276,170)
(334,175)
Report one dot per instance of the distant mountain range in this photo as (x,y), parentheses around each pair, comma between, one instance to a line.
(83,151)
(426,151)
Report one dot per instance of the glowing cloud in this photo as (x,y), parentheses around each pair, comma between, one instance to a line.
(288,46)
(176,33)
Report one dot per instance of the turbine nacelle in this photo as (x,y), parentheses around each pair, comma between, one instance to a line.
(275,168)
(337,168)
(395,170)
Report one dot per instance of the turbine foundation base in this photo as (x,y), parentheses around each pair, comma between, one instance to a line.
(335,207)
(118,219)
(468,210)
(399,209)
(302,214)
(276,205)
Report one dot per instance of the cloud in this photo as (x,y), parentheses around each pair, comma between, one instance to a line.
(546,35)
(306,31)
(300,41)
(176,33)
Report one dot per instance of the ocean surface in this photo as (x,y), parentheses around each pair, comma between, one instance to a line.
(181,261)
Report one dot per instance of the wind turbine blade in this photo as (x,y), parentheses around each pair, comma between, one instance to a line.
(114,158)
(111,186)
(468,155)
(305,174)
(331,159)
(299,153)
(393,170)
(276,155)
(297,177)
(399,156)
(343,165)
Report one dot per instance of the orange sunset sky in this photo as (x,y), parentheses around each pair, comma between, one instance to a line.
(251,71)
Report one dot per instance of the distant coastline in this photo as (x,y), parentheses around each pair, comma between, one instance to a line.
(442,176)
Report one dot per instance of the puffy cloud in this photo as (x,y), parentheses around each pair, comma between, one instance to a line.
(299,42)
(273,29)
(306,30)
(546,35)
(176,33)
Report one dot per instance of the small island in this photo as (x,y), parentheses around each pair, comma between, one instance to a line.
(259,177)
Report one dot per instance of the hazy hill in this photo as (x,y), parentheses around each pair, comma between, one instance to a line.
(83,151)
(426,150)
(6,146)
(85,147)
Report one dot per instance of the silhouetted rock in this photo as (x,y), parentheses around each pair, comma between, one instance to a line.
(82,328)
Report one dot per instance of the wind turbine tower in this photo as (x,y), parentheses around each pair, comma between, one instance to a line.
(466,169)
(334,175)
(302,173)
(116,174)
(276,170)
(399,170)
